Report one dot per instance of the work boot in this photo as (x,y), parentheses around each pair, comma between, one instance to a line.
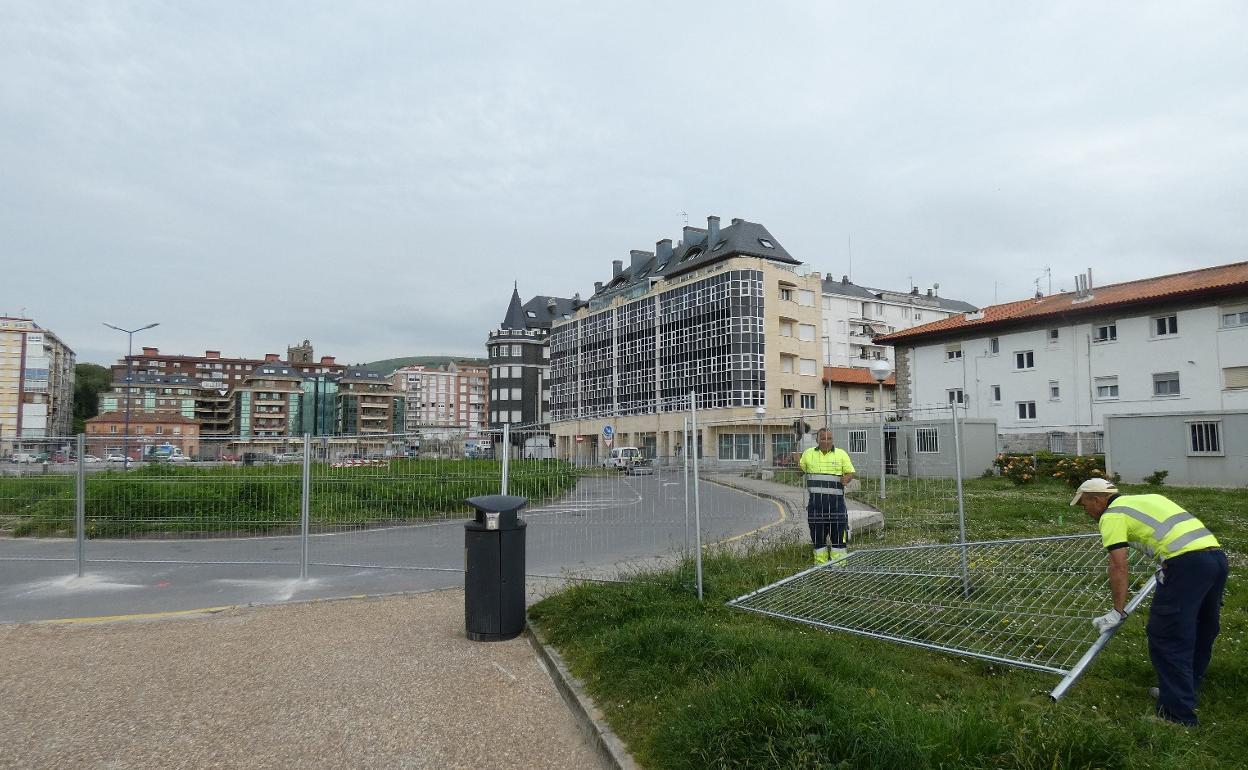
(821,556)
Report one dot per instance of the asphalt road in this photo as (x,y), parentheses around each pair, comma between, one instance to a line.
(606,525)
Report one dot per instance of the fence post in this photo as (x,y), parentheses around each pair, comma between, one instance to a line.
(506,455)
(697,500)
(957,455)
(305,498)
(684,434)
(80,505)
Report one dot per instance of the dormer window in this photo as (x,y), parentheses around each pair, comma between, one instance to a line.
(531,314)
(693,253)
(718,246)
(766,243)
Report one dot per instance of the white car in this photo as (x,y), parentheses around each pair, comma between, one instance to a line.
(114,459)
(91,459)
(621,457)
(179,459)
(22,457)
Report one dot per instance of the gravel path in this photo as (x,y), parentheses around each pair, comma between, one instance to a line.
(380,683)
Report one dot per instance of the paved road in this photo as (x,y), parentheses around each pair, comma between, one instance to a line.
(607,522)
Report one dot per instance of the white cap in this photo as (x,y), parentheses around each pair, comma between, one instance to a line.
(1097,485)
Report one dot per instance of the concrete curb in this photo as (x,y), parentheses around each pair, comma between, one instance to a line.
(587,714)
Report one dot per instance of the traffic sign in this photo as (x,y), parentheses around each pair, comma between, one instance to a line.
(608,431)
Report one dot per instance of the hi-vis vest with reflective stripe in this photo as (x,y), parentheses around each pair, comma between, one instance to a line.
(823,471)
(1155,524)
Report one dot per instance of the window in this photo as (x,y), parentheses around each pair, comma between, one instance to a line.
(1055,390)
(996,394)
(806,297)
(1166,384)
(1025,359)
(740,446)
(786,294)
(809,366)
(953,352)
(786,400)
(918,316)
(858,442)
(806,332)
(1166,325)
(786,364)
(1026,410)
(1106,387)
(808,400)
(955,396)
(112,429)
(160,430)
(844,392)
(869,396)
(1234,377)
(1054,335)
(516,417)
(766,244)
(1205,437)
(926,440)
(1105,333)
(1236,316)
(994,346)
(786,328)
(515,351)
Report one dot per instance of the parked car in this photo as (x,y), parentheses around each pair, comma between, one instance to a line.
(114,458)
(638,465)
(23,457)
(91,459)
(290,457)
(178,458)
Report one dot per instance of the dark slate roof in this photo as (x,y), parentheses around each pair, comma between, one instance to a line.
(275,369)
(143,378)
(845,287)
(739,238)
(364,375)
(515,311)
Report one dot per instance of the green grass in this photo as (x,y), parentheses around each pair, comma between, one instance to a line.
(697,685)
(229,499)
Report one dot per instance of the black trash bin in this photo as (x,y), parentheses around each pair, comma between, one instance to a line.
(494,568)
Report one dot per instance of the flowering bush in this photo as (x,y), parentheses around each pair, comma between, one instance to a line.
(1078,469)
(1017,468)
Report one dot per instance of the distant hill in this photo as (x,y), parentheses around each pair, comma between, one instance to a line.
(387,366)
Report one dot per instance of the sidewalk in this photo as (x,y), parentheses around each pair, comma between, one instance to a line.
(363,683)
(862,518)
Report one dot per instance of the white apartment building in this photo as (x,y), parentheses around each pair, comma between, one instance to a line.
(1051,369)
(449,398)
(854,316)
(36,382)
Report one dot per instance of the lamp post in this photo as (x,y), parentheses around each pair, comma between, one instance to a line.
(880,369)
(762,443)
(125,439)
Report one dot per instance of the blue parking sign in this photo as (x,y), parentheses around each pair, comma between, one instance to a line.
(608,431)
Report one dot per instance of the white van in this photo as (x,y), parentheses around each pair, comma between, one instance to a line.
(621,457)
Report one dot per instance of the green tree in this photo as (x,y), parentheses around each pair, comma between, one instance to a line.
(90,380)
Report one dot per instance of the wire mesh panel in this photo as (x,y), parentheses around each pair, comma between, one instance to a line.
(1024,603)
(37,483)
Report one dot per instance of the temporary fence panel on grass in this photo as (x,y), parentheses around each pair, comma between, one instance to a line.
(1026,603)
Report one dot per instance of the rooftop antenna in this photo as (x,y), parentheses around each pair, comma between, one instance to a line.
(849,243)
(685,214)
(1045,272)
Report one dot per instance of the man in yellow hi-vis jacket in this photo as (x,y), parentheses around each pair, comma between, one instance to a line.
(828,470)
(1184,618)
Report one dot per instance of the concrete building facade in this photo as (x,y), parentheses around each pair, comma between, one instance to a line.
(36,382)
(1050,370)
(519,360)
(855,317)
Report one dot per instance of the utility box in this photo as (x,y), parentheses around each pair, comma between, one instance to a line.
(494,568)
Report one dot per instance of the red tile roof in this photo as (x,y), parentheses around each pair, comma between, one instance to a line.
(1224,279)
(143,417)
(844,375)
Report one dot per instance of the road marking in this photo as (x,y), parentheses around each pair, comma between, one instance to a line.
(138,616)
(784,516)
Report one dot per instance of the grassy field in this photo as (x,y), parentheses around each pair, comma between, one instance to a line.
(691,685)
(168,498)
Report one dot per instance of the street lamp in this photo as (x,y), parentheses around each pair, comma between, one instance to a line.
(762,443)
(125,439)
(880,369)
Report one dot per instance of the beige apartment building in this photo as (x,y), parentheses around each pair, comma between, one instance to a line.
(443,400)
(850,390)
(726,314)
(36,382)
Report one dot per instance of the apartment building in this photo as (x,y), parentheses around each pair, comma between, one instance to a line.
(726,313)
(1051,369)
(440,401)
(367,404)
(519,355)
(36,382)
(855,317)
(267,403)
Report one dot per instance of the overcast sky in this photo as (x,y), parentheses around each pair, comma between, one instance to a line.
(373,176)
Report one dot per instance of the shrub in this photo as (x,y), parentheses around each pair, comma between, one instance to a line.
(1156,478)
(1018,468)
(1078,469)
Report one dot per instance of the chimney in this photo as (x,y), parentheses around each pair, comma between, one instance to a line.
(737,220)
(844,280)
(551,305)
(327,361)
(151,351)
(212,354)
(271,357)
(597,287)
(712,230)
(929,292)
(663,250)
(691,236)
(1088,285)
(638,260)
(617,267)
(914,290)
